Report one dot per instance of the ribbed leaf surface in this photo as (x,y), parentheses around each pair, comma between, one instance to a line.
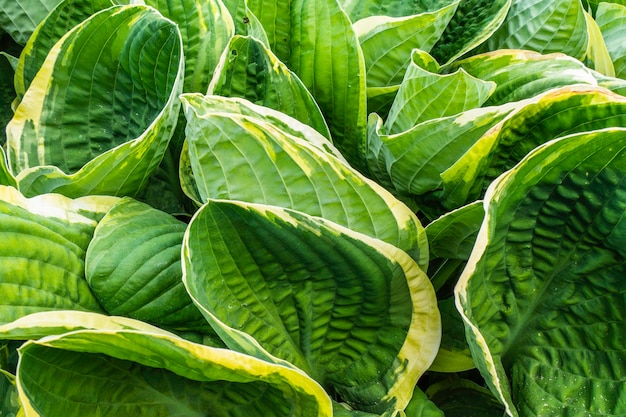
(112,371)
(315,39)
(42,252)
(239,157)
(611,18)
(250,70)
(91,107)
(133,267)
(354,312)
(360,9)
(540,26)
(543,292)
(19,18)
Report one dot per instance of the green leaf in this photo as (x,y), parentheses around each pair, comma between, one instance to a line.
(42,252)
(360,9)
(76,131)
(543,292)
(141,371)
(610,18)
(250,158)
(61,19)
(597,56)
(387,42)
(206,27)
(9,405)
(557,113)
(415,159)
(250,70)
(315,39)
(472,24)
(421,406)
(453,235)
(133,267)
(520,74)
(246,23)
(20,17)
(458,397)
(355,313)
(555,26)
(7,90)
(424,95)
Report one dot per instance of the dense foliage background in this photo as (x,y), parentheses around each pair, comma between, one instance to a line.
(312,208)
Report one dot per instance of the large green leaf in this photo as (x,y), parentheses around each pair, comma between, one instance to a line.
(360,9)
(206,27)
(91,110)
(543,292)
(250,70)
(242,157)
(20,17)
(553,114)
(60,20)
(540,26)
(133,267)
(315,39)
(355,313)
(387,42)
(472,24)
(611,18)
(42,252)
(113,366)
(425,95)
(459,397)
(520,74)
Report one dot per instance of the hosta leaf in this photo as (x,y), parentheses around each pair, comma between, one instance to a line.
(42,252)
(543,291)
(520,74)
(315,39)
(610,18)
(113,371)
(206,27)
(360,9)
(9,405)
(60,20)
(20,17)
(553,114)
(250,70)
(7,90)
(597,55)
(387,42)
(424,95)
(133,267)
(454,354)
(453,235)
(357,314)
(421,406)
(247,158)
(472,24)
(246,23)
(415,159)
(75,131)
(555,26)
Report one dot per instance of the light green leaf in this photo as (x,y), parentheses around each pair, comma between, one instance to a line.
(61,19)
(414,160)
(424,95)
(355,313)
(138,371)
(387,42)
(545,27)
(248,69)
(452,236)
(421,406)
(472,24)
(360,9)
(246,23)
(133,267)
(520,74)
(610,18)
(76,131)
(42,252)
(543,292)
(553,114)
(597,55)
(20,17)
(315,39)
(206,27)
(250,158)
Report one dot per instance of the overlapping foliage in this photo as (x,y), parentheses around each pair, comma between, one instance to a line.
(312,208)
